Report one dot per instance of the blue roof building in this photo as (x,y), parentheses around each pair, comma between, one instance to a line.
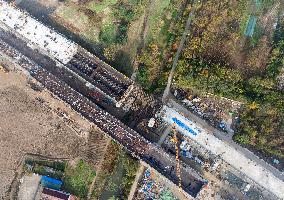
(50,183)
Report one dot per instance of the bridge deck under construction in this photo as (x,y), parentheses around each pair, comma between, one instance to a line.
(130,139)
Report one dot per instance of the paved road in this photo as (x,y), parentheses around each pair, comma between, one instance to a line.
(185,33)
(222,136)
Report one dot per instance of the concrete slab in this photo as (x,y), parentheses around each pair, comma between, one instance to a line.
(37,33)
(256,172)
(29,187)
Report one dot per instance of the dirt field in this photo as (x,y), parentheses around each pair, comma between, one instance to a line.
(29,126)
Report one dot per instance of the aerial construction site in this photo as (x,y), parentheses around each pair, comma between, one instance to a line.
(161,135)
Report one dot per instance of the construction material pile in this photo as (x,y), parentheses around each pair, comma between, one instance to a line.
(152,189)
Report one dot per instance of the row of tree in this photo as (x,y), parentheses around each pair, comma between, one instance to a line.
(219,59)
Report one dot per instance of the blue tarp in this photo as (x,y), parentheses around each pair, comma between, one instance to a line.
(50,183)
(222,125)
(148,173)
(183,153)
(257,3)
(251,26)
(275,161)
(182,125)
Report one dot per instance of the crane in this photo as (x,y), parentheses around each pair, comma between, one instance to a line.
(175,140)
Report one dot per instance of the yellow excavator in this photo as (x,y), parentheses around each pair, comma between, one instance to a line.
(2,68)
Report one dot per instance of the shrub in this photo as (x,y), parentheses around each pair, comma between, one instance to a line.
(77,179)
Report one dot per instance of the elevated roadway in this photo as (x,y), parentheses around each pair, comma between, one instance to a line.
(153,155)
(91,87)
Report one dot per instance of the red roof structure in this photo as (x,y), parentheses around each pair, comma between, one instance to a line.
(49,194)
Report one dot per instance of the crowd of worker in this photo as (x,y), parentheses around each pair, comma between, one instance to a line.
(102,119)
(97,75)
(18,57)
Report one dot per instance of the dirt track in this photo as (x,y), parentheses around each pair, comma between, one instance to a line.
(26,126)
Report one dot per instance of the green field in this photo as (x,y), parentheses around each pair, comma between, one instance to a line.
(101,6)
(78,178)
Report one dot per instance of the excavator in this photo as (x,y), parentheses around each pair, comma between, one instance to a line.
(2,68)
